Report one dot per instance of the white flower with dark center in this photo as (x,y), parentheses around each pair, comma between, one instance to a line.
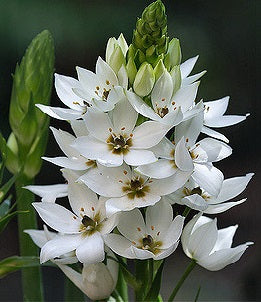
(214,117)
(157,238)
(73,159)
(167,108)
(82,229)
(126,189)
(114,138)
(210,247)
(198,199)
(101,88)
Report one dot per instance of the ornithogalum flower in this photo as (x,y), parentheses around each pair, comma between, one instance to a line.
(193,196)
(82,229)
(126,189)
(156,238)
(210,247)
(114,138)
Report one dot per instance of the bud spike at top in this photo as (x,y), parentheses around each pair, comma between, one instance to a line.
(150,35)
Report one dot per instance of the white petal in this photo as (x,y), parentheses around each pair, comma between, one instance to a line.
(189,129)
(64,140)
(215,109)
(214,134)
(38,237)
(61,113)
(214,149)
(222,258)
(124,117)
(208,177)
(164,149)
(193,78)
(193,111)
(123,77)
(58,217)
(148,134)
(187,66)
(165,253)
(162,91)
(185,96)
(69,163)
(79,128)
(63,86)
(162,168)
(106,182)
(222,207)
(104,71)
(159,218)
(195,202)
(173,118)
(173,233)
(183,159)
(98,124)
(59,246)
(91,249)
(49,193)
(203,240)
(225,238)
(120,245)
(141,254)
(131,225)
(226,120)
(232,187)
(139,157)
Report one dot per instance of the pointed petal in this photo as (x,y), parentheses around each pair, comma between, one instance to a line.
(225,238)
(187,66)
(64,140)
(226,120)
(162,168)
(193,78)
(183,159)
(104,71)
(119,245)
(61,113)
(220,208)
(91,250)
(58,217)
(173,233)
(213,133)
(49,193)
(139,157)
(79,128)
(215,109)
(195,202)
(69,163)
(165,253)
(208,177)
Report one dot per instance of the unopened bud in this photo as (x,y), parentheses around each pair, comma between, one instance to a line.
(144,80)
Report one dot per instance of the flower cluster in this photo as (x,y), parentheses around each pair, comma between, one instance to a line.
(135,151)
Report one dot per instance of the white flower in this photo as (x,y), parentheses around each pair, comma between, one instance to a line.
(210,247)
(41,237)
(97,280)
(49,193)
(157,238)
(77,106)
(73,159)
(115,139)
(214,117)
(197,198)
(166,108)
(127,189)
(82,229)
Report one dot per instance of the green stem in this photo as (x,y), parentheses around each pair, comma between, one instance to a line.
(181,280)
(186,212)
(31,277)
(122,287)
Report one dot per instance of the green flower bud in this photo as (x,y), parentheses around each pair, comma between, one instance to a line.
(131,70)
(159,69)
(32,84)
(144,80)
(173,56)
(150,35)
(176,78)
(117,59)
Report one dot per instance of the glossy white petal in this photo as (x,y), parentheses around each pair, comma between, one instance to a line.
(187,66)
(165,253)
(193,78)
(58,217)
(215,109)
(164,149)
(79,128)
(208,177)
(105,71)
(148,134)
(226,120)
(162,168)
(38,237)
(119,245)
(222,207)
(91,249)
(61,113)
(64,140)
(139,157)
(195,202)
(49,193)
(59,246)
(185,96)
(173,233)
(183,159)
(69,163)
(215,134)
(225,238)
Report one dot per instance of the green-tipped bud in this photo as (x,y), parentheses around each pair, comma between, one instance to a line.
(176,78)
(144,80)
(32,83)
(159,69)
(115,52)
(150,35)
(131,70)
(173,56)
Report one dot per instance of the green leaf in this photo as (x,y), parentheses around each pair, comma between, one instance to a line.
(155,286)
(15,263)
(6,187)
(4,208)
(5,219)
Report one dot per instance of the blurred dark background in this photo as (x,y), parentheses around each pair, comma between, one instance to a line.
(224,34)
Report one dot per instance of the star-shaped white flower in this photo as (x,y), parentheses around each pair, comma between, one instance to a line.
(214,117)
(114,138)
(198,199)
(83,228)
(126,189)
(210,247)
(157,238)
